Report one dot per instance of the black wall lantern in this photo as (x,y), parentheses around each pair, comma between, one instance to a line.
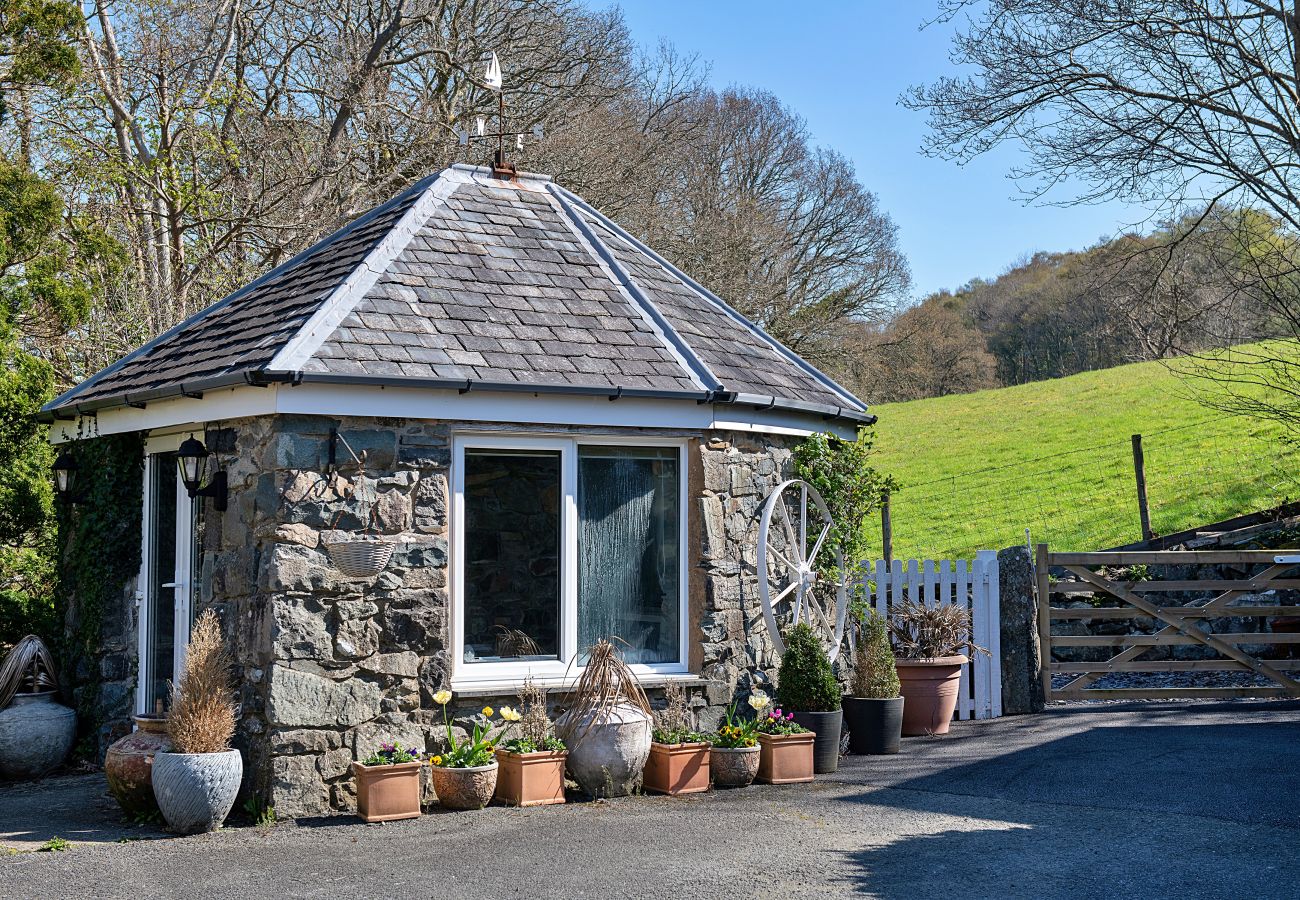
(192,459)
(65,476)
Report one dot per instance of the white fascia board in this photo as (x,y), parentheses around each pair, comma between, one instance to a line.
(214,406)
(513,408)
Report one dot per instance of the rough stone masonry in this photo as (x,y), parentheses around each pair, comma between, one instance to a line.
(330,666)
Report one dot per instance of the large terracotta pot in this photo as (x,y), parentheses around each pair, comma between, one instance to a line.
(128,765)
(929,689)
(734,766)
(677,768)
(35,735)
(386,793)
(826,745)
(874,725)
(785,758)
(607,754)
(531,779)
(196,791)
(470,788)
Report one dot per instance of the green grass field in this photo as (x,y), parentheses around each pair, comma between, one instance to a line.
(1056,457)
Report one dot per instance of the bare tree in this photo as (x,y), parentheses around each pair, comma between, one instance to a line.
(1165,102)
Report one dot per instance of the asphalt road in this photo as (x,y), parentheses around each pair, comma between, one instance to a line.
(1196,800)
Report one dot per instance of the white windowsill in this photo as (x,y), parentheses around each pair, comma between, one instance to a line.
(480,687)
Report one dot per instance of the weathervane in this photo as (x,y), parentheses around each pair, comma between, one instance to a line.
(492,81)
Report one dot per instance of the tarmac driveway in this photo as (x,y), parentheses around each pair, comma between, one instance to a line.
(1143,800)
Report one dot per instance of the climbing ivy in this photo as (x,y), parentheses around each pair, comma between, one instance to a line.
(100,541)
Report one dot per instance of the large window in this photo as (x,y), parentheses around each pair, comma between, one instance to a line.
(560,542)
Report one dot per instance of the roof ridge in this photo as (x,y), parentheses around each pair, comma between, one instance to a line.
(230,298)
(349,293)
(781,350)
(672,340)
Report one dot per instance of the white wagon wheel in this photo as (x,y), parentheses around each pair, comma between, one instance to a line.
(787,564)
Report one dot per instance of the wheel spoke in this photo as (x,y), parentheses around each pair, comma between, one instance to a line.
(784,593)
(791,539)
(781,556)
(821,538)
(803,520)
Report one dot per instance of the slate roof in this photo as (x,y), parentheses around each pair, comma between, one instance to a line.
(467,280)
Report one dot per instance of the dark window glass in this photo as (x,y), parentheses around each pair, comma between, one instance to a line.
(512,555)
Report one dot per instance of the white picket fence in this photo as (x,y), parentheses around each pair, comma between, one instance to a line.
(971,584)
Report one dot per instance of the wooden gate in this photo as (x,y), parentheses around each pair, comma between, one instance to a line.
(973,585)
(1181,625)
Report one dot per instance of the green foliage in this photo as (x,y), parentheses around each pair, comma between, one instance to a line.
(842,473)
(875,676)
(550,743)
(806,681)
(735,731)
(101,541)
(1055,457)
(55,845)
(391,755)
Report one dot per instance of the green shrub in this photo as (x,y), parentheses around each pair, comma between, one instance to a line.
(875,676)
(807,682)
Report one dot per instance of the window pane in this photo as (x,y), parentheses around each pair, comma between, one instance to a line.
(628,537)
(512,555)
(160,631)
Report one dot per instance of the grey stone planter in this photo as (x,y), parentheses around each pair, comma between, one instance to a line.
(606,756)
(35,735)
(195,791)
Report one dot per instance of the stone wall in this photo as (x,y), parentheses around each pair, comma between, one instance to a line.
(331,666)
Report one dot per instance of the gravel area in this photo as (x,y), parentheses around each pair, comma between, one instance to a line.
(1083,801)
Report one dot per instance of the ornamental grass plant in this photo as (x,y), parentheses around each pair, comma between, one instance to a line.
(931,632)
(534,723)
(202,715)
(675,724)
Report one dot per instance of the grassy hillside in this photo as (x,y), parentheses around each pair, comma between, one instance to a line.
(1056,457)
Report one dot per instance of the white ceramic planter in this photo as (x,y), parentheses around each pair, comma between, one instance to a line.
(606,756)
(36,734)
(196,791)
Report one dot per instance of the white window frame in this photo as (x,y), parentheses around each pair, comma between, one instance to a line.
(510,674)
(181,587)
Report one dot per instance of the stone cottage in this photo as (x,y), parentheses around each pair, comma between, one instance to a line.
(563,436)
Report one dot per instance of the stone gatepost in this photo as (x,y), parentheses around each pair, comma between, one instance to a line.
(1022,681)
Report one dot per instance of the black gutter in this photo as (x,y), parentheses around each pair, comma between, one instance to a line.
(264,378)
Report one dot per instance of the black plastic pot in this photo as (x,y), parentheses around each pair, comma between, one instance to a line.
(875,726)
(826,744)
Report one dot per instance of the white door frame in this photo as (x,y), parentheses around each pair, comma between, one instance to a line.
(181,588)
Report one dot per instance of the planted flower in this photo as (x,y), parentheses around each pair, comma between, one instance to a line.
(786,749)
(679,755)
(734,759)
(391,755)
(465,774)
(532,764)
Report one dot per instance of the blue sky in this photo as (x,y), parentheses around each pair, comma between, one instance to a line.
(842,65)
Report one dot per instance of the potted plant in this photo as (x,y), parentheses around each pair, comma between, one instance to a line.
(786,749)
(531,765)
(679,755)
(808,688)
(873,708)
(388,784)
(36,732)
(195,783)
(734,757)
(128,764)
(465,774)
(929,644)
(607,729)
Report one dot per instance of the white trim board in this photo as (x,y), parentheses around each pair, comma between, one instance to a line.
(515,408)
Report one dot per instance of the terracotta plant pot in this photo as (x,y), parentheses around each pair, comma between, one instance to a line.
(733,766)
(385,793)
(677,768)
(785,758)
(929,689)
(128,765)
(826,745)
(470,788)
(531,779)
(874,725)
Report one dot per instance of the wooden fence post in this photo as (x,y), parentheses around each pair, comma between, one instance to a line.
(1140,472)
(886,530)
(1044,618)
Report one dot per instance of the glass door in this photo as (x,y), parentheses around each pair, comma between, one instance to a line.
(165,578)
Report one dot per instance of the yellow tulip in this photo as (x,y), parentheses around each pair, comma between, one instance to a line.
(487,711)
(510,714)
(442,698)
